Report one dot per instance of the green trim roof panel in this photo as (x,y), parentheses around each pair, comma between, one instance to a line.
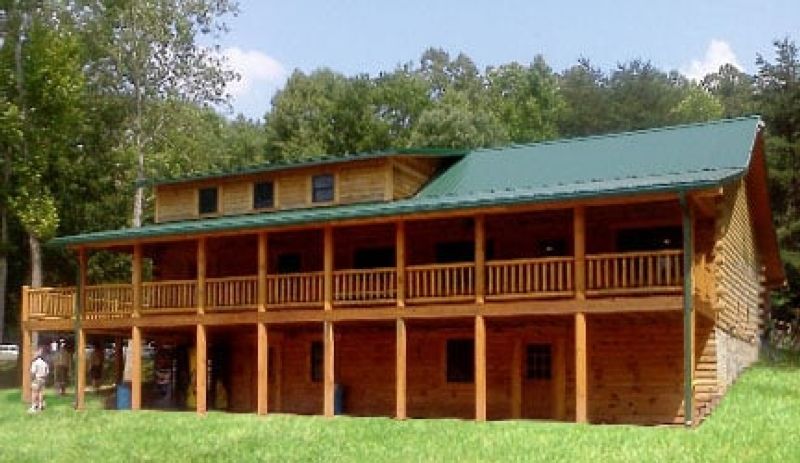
(660,160)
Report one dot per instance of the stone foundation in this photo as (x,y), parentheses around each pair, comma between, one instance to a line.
(733,356)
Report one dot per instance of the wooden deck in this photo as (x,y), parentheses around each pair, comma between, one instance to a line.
(606,275)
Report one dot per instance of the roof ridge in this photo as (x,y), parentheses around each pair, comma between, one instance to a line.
(668,128)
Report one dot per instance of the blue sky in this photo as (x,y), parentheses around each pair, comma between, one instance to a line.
(271,38)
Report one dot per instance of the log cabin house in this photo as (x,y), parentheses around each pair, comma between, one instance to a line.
(607,279)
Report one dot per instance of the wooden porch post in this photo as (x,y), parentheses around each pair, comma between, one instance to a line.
(262,271)
(480,368)
(263,368)
(27,354)
(201,277)
(136,280)
(480,258)
(201,370)
(688,310)
(80,372)
(581,375)
(579,249)
(327,255)
(136,368)
(516,380)
(400,374)
(328,405)
(400,262)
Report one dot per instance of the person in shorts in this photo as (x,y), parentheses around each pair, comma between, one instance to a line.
(39,372)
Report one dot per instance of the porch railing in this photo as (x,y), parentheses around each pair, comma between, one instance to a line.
(178,295)
(606,275)
(295,289)
(108,301)
(377,285)
(634,272)
(232,292)
(543,277)
(50,302)
(440,282)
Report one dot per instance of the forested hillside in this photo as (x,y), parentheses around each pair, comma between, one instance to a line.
(98,98)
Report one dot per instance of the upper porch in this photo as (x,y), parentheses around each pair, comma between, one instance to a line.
(611,254)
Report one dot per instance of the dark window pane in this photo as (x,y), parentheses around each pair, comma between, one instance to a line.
(538,361)
(316,361)
(208,200)
(263,195)
(649,239)
(322,188)
(460,360)
(455,251)
(548,248)
(374,257)
(289,263)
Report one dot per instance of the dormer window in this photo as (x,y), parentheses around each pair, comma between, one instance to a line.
(208,201)
(263,195)
(322,188)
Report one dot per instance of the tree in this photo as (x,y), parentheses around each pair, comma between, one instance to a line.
(148,50)
(642,96)
(734,89)
(454,123)
(587,100)
(698,105)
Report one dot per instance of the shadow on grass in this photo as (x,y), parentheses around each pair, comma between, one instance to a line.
(780,358)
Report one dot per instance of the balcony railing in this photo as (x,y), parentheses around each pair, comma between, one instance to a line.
(654,272)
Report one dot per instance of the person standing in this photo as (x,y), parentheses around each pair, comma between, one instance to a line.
(96,369)
(39,372)
(61,361)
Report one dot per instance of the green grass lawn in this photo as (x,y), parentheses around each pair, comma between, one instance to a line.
(759,420)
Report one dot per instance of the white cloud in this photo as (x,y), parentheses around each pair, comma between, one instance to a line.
(260,76)
(719,52)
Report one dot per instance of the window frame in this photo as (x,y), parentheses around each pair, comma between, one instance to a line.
(538,361)
(256,185)
(453,373)
(316,360)
(317,191)
(200,196)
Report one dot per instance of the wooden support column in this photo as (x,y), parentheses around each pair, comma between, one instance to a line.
(80,372)
(400,262)
(579,249)
(688,310)
(263,369)
(400,371)
(328,368)
(136,368)
(480,258)
(27,349)
(581,373)
(136,280)
(201,277)
(83,281)
(516,379)
(559,380)
(201,370)
(328,267)
(262,271)
(480,368)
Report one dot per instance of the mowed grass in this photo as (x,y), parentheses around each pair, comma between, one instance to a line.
(759,421)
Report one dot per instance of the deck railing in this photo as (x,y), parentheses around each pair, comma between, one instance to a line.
(295,289)
(542,277)
(440,282)
(232,293)
(377,285)
(634,272)
(606,275)
(108,301)
(50,302)
(178,295)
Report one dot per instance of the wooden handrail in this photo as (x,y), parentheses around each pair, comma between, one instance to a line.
(232,292)
(635,272)
(295,289)
(365,285)
(440,281)
(538,277)
(171,294)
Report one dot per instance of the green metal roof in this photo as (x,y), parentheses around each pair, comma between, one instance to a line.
(668,159)
(313,161)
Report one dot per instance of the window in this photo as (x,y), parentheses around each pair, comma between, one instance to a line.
(460,360)
(316,361)
(538,361)
(455,251)
(322,188)
(552,248)
(263,195)
(208,200)
(289,263)
(649,239)
(374,257)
